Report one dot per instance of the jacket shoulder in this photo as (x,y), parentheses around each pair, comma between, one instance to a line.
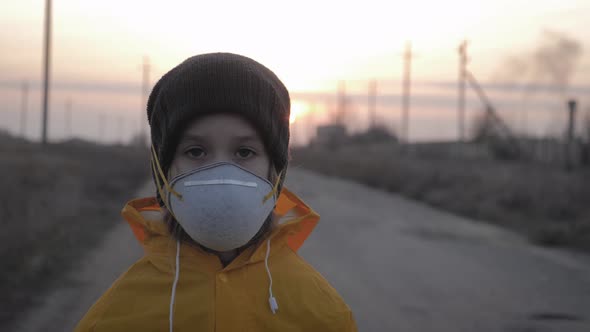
(113,310)
(321,304)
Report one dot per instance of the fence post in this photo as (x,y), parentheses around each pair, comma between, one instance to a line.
(569,147)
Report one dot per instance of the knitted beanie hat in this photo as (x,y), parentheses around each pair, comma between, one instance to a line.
(219,82)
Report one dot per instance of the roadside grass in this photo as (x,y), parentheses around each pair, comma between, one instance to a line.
(547,204)
(57,202)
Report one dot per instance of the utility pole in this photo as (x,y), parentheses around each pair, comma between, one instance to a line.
(120,129)
(144,97)
(341,103)
(462,79)
(524,119)
(304,127)
(298,125)
(46,57)
(571,124)
(23,111)
(372,102)
(406,92)
(312,121)
(68,118)
(101,121)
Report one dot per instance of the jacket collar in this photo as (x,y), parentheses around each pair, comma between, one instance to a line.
(296,222)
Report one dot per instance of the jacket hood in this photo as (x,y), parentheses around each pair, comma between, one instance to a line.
(296,222)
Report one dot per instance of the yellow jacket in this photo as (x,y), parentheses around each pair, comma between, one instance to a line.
(209,297)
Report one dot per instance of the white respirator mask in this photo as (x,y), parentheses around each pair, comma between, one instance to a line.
(221,206)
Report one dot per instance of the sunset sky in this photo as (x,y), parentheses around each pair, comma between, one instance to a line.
(98,46)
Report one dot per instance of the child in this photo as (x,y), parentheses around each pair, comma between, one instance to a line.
(222,234)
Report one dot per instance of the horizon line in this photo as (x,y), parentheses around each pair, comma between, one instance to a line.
(126,87)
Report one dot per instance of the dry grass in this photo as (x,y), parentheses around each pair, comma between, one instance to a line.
(546,203)
(56,203)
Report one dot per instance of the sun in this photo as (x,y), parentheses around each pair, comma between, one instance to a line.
(297,110)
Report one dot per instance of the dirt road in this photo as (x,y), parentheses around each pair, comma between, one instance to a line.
(400,265)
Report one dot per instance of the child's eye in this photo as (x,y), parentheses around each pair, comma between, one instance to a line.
(195,152)
(244,153)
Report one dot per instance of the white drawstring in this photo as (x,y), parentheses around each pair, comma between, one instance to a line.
(271,300)
(173,297)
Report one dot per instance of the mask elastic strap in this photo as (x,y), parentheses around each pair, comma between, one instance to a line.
(160,190)
(156,161)
(274,189)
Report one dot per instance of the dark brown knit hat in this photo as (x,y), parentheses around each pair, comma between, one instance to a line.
(220,82)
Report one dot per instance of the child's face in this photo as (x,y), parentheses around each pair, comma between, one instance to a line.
(220,137)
